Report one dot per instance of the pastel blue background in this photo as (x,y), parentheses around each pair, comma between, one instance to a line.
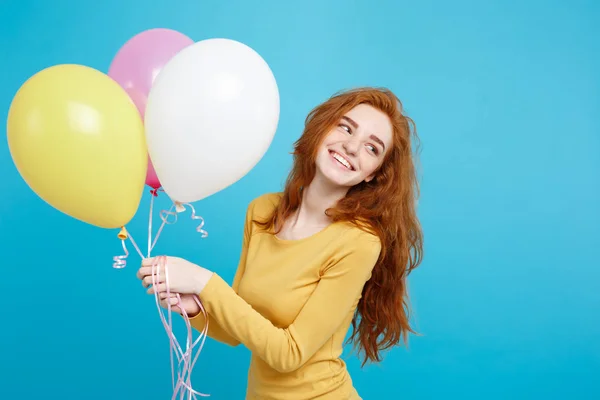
(506,97)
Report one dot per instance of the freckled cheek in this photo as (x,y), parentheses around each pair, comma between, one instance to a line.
(368,167)
(330,140)
(336,136)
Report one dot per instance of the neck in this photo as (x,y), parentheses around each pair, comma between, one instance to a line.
(316,199)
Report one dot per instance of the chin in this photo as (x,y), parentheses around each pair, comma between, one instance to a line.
(334,174)
(335,178)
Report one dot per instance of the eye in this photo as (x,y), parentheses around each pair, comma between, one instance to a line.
(346,128)
(373,149)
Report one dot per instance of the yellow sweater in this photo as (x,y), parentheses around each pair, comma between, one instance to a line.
(291,305)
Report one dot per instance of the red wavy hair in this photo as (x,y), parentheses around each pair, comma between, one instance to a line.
(385,206)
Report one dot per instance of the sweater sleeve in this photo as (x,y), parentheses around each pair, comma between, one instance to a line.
(287,349)
(215,330)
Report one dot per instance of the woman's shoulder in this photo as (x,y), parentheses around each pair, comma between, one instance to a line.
(264,204)
(268,199)
(357,233)
(354,243)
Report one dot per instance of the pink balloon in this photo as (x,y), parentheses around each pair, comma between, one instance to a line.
(139,99)
(140,102)
(151,178)
(137,64)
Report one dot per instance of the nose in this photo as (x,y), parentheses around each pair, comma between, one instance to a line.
(350,146)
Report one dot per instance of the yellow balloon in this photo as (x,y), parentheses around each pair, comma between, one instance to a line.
(78,141)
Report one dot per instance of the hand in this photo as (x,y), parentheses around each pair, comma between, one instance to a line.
(183,276)
(187,303)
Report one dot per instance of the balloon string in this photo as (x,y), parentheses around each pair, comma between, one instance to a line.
(135,246)
(186,357)
(199,229)
(201,340)
(185,360)
(154,194)
(164,216)
(120,261)
(173,343)
(174,347)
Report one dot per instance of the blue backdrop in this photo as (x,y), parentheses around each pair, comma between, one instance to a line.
(505,95)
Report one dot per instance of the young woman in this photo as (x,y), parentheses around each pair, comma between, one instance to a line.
(333,250)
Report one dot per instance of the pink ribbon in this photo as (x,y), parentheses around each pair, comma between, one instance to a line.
(180,207)
(120,262)
(186,359)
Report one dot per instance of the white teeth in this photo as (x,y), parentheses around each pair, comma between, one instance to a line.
(342,160)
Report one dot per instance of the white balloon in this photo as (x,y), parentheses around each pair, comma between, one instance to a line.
(211,115)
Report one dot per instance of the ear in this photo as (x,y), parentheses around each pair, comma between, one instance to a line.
(370,178)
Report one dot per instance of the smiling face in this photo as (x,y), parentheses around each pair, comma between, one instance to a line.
(355,148)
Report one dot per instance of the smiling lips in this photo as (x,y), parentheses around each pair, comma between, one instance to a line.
(339,158)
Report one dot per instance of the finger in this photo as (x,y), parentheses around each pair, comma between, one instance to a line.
(149,268)
(148,262)
(171,301)
(174,308)
(147,272)
(163,295)
(143,272)
(151,280)
(147,281)
(161,287)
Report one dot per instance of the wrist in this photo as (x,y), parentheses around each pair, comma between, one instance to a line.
(201,279)
(197,312)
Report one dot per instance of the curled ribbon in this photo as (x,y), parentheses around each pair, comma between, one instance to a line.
(120,262)
(165,214)
(203,233)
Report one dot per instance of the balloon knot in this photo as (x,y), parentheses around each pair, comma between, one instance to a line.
(154,192)
(179,207)
(122,234)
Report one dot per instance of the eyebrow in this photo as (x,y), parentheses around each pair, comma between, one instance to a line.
(351,121)
(355,125)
